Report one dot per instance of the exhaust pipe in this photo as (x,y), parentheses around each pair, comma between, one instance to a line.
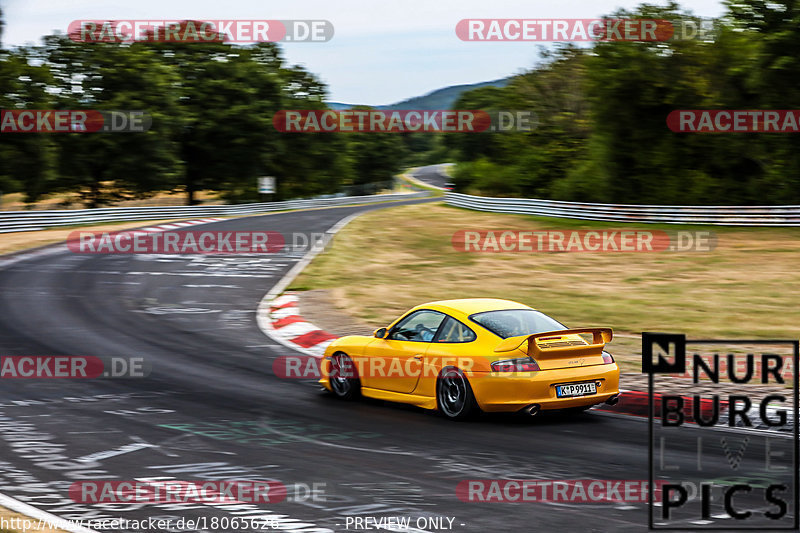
(532,410)
(613,400)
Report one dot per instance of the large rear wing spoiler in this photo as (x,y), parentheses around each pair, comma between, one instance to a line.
(600,337)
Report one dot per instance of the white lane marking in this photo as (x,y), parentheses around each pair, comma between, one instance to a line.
(122,450)
(213,286)
(34,254)
(310,440)
(92,432)
(192,274)
(263,346)
(176,310)
(23,508)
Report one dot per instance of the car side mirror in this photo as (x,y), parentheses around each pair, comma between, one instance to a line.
(380,333)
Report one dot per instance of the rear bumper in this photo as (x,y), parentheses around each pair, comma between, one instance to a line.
(514,391)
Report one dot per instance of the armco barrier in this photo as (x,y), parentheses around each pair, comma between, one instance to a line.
(782,215)
(37,220)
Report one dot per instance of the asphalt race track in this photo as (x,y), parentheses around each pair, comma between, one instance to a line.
(213,409)
(432,175)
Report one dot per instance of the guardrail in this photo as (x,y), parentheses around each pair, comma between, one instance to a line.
(37,220)
(783,215)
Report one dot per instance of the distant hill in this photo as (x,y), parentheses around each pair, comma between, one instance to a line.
(443,98)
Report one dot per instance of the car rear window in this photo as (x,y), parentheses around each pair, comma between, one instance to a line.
(515,322)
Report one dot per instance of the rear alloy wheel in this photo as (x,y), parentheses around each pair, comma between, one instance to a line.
(454,395)
(343,377)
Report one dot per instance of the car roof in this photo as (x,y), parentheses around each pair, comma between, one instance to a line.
(468,306)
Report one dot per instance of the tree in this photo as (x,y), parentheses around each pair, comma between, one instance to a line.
(226,96)
(602,132)
(376,157)
(104,167)
(29,159)
(528,163)
(771,75)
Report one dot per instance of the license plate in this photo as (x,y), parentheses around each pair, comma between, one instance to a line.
(576,389)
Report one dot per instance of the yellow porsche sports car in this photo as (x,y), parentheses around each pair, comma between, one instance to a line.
(458,356)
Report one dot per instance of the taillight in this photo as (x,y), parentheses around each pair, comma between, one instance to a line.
(524,364)
(607,358)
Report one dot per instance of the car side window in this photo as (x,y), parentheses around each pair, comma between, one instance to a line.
(454,331)
(420,326)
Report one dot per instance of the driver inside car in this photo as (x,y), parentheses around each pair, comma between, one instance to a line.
(424,334)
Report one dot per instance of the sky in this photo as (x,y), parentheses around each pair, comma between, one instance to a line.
(383,51)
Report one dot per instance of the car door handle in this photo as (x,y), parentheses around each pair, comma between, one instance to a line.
(418,357)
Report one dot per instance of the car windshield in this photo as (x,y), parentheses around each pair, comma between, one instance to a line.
(515,322)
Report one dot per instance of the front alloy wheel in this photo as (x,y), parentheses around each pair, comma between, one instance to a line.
(343,377)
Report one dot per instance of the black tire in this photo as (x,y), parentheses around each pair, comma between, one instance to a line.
(343,377)
(454,396)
